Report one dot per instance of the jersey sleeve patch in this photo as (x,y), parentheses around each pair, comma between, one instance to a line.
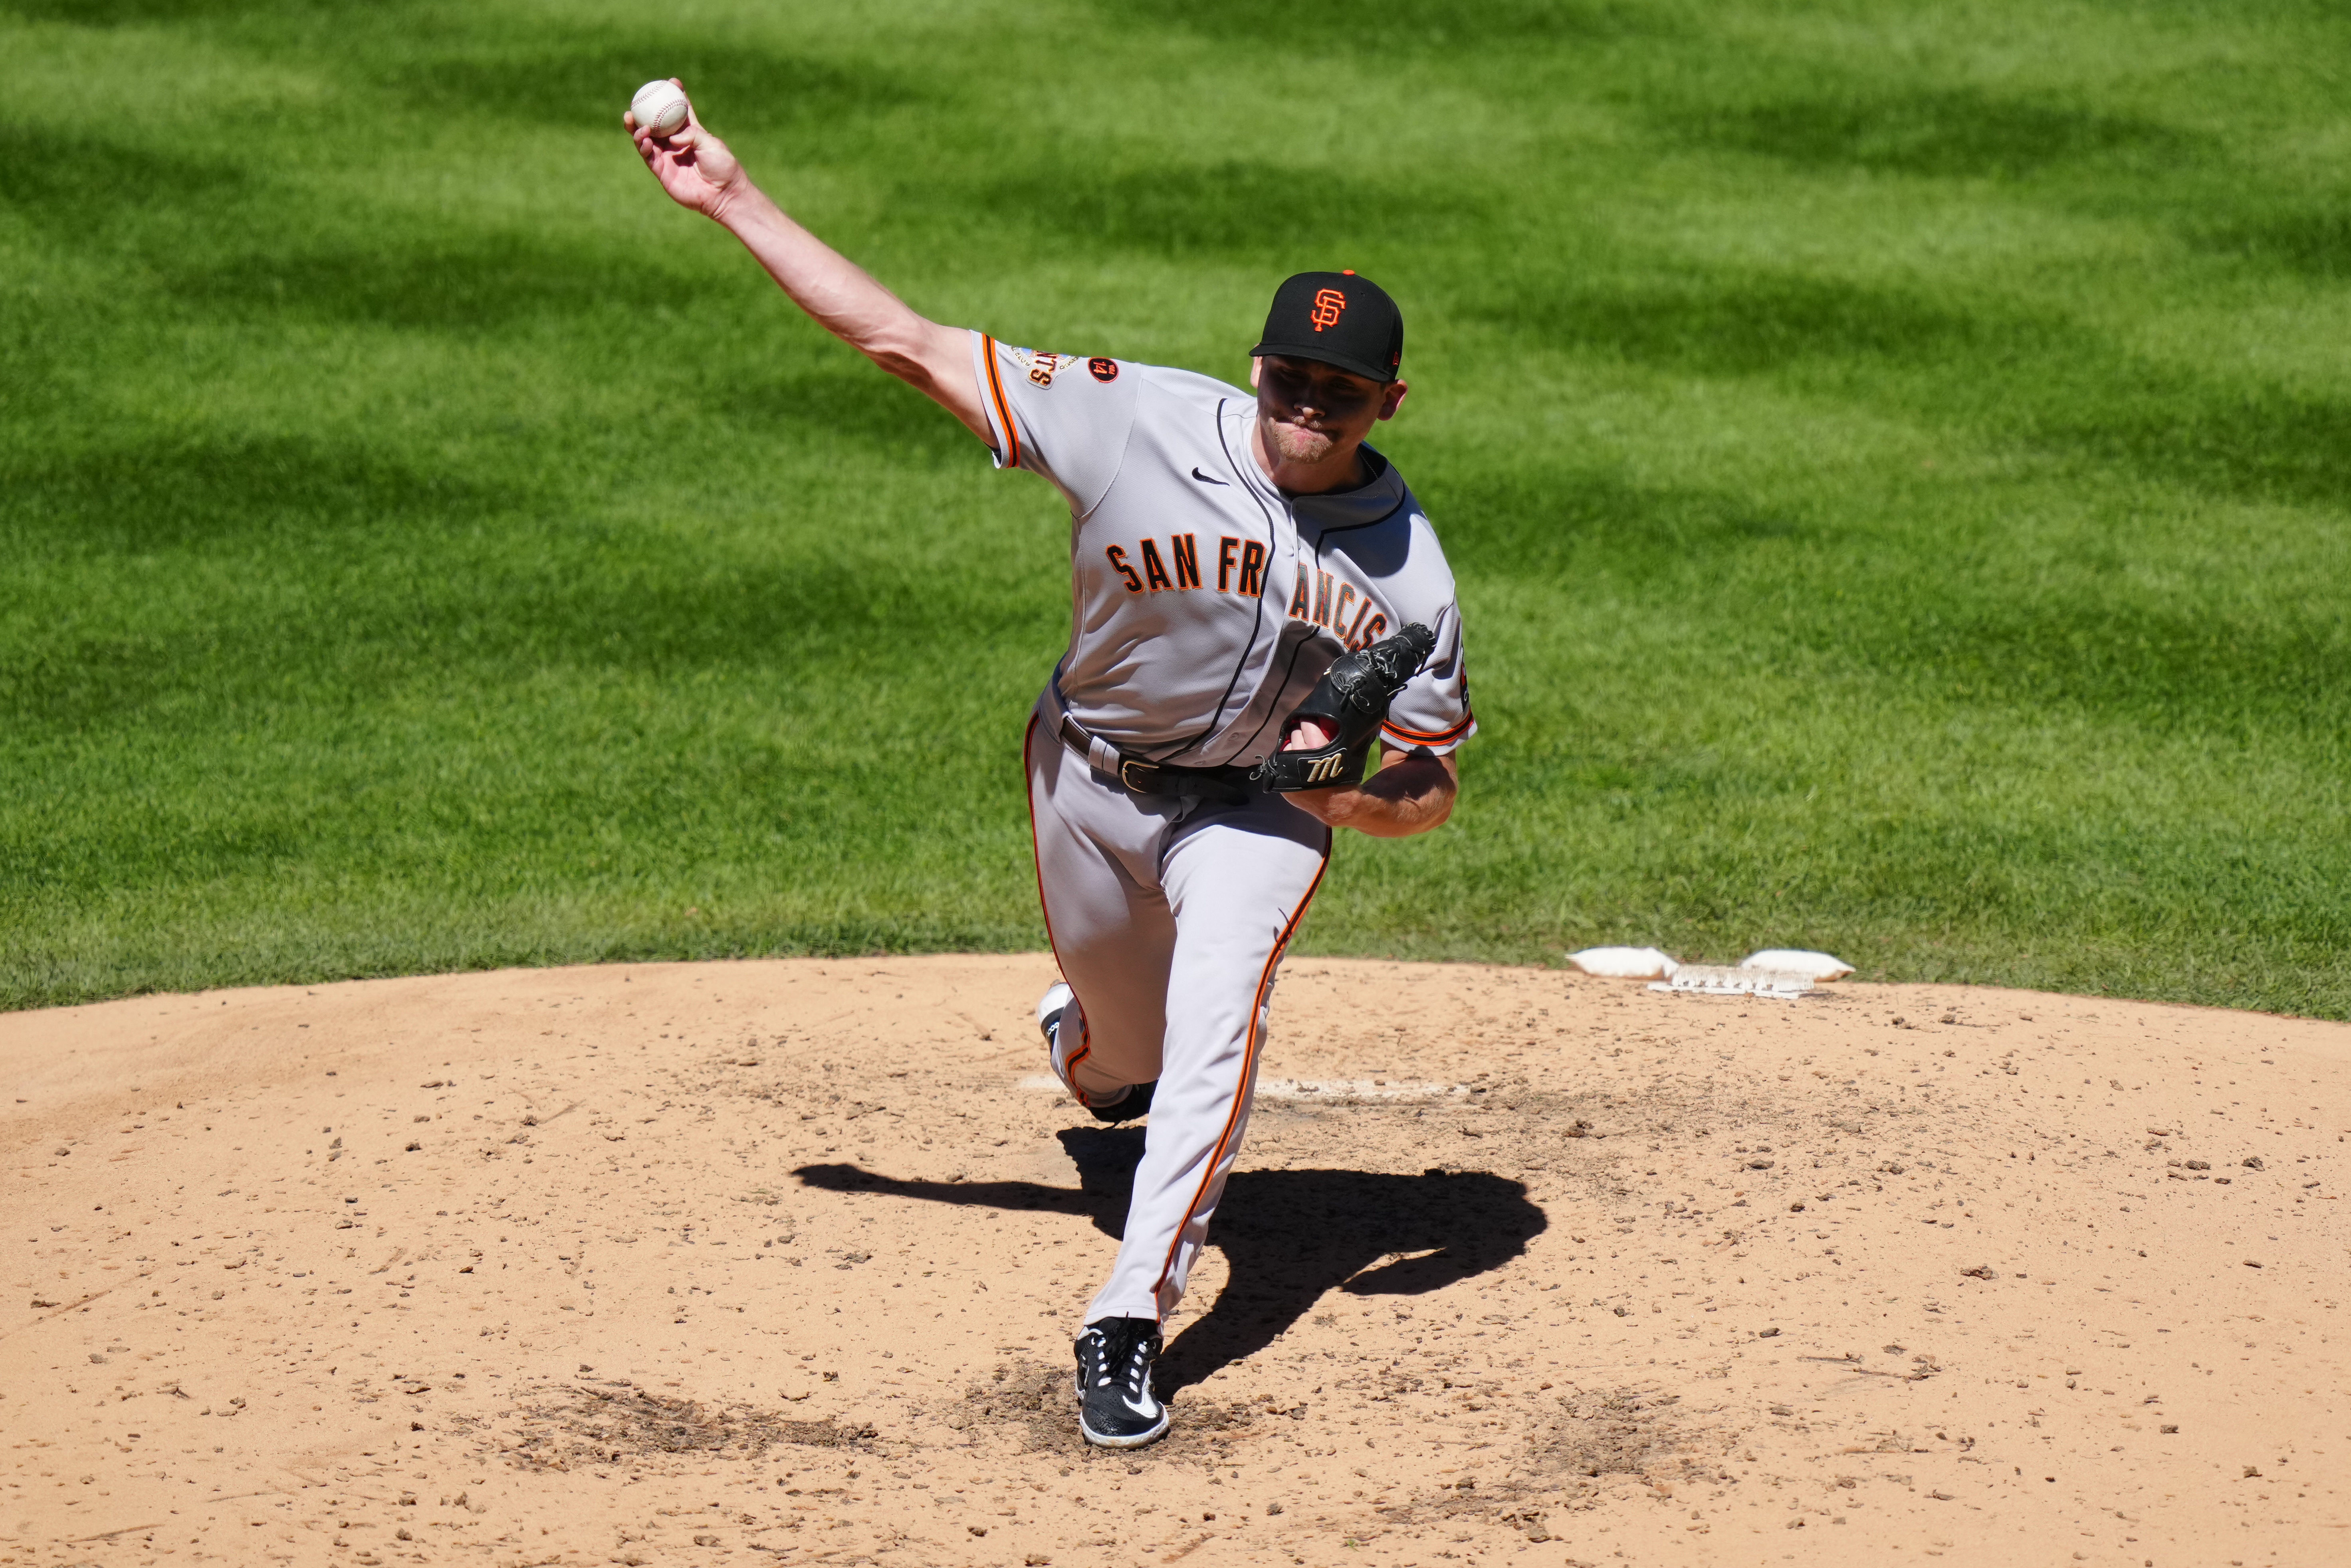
(1048,418)
(1042,367)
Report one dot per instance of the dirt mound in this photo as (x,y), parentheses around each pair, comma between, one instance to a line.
(660,1264)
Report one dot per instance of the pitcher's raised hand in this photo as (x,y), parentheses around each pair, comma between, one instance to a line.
(693,166)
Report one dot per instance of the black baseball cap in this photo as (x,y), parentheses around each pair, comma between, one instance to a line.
(1339,319)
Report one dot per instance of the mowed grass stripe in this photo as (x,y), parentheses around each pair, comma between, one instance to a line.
(1894,460)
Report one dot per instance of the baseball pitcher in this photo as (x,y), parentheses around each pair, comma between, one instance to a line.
(1257,598)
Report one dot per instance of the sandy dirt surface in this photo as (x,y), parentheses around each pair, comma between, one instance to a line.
(779,1262)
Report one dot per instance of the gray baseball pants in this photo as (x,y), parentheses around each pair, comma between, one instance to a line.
(1168,917)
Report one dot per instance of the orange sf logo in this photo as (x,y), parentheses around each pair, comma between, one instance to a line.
(1328,303)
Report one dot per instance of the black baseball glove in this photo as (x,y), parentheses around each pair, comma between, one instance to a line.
(1349,700)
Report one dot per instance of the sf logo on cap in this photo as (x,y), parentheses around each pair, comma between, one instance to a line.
(1328,303)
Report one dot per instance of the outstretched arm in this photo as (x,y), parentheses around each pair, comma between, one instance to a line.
(700,173)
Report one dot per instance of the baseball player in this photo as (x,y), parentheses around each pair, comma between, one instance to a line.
(1255,597)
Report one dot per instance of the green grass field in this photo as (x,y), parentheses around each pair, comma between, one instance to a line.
(1896,457)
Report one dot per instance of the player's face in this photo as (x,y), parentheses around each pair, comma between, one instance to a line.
(1311,411)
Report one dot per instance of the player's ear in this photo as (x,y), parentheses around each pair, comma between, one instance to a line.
(1393,400)
(1257,366)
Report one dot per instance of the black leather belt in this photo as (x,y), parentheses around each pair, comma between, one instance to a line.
(1141,777)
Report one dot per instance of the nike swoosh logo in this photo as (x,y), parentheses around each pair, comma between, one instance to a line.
(1204,479)
(1148,1410)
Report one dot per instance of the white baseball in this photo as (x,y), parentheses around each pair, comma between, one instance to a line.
(659,107)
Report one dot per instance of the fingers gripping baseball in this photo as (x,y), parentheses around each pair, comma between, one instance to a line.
(693,167)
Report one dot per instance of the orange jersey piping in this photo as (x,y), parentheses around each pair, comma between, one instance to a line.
(1027,781)
(1248,1067)
(1437,737)
(1003,409)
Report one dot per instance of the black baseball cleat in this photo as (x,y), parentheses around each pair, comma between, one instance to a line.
(1116,1408)
(1136,1101)
(1050,1008)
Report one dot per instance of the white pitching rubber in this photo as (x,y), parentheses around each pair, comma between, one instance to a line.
(1625,963)
(659,107)
(1798,961)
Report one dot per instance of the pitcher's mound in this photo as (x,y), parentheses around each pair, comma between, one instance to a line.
(781,1261)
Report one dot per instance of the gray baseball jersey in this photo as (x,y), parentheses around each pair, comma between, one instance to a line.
(1205,603)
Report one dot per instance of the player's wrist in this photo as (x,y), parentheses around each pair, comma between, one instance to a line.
(735,197)
(1406,797)
(727,201)
(1338,806)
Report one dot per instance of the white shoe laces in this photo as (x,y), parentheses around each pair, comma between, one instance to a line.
(1138,1368)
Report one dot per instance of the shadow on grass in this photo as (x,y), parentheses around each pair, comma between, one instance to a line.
(849,398)
(2248,442)
(199,227)
(1936,132)
(2034,378)
(2089,637)
(337,571)
(148,13)
(570,629)
(1728,322)
(1420,25)
(461,284)
(1595,523)
(86,184)
(2316,245)
(1289,1237)
(539,74)
(2154,664)
(860,618)
(235,491)
(277,507)
(1237,208)
(586,81)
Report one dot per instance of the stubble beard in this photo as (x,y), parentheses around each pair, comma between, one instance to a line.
(1298,442)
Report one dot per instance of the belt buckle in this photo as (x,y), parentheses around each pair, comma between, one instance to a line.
(1126,768)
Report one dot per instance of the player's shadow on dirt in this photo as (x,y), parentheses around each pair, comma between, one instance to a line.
(1289,1236)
